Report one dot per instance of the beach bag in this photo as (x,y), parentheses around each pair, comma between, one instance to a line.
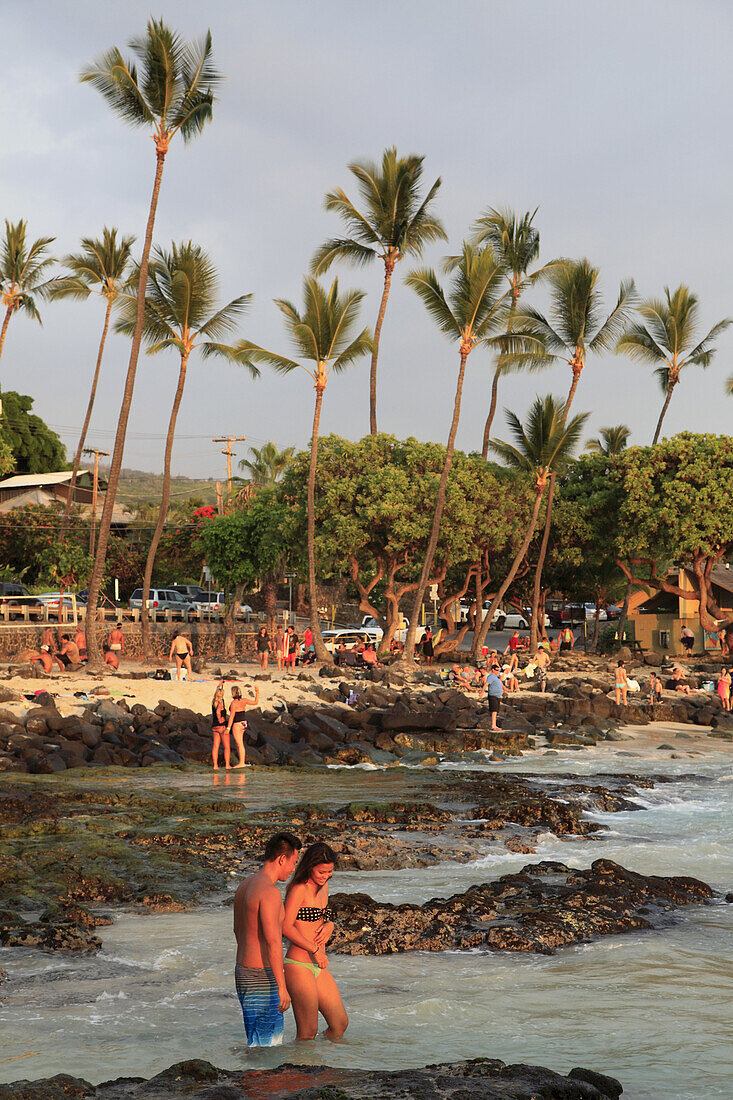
(633,685)
(161,674)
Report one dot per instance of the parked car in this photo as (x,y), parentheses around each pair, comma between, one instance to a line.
(564,614)
(590,612)
(191,592)
(334,638)
(513,620)
(162,599)
(465,607)
(52,601)
(370,624)
(244,611)
(15,596)
(613,612)
(209,603)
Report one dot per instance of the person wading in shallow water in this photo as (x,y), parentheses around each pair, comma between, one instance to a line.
(258,928)
(237,724)
(308,925)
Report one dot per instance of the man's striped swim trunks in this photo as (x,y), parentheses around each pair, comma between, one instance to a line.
(259,998)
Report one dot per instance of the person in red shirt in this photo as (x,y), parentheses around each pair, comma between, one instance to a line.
(513,645)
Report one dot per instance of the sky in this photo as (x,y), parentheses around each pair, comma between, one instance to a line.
(613,119)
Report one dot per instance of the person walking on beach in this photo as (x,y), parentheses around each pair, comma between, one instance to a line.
(290,650)
(688,640)
(513,643)
(494,692)
(258,928)
(724,681)
(116,640)
(219,727)
(622,683)
(182,650)
(542,663)
(263,647)
(237,724)
(308,925)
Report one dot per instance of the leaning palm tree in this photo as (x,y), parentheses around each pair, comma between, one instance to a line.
(516,241)
(610,441)
(396,222)
(541,450)
(172,93)
(23,270)
(666,338)
(322,334)
(575,328)
(267,464)
(102,267)
(180,313)
(470,312)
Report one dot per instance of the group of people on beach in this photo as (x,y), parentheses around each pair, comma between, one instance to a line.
(267,983)
(69,652)
(286,647)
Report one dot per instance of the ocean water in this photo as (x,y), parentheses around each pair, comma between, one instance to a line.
(654,1009)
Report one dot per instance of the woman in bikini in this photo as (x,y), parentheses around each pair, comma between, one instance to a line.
(622,683)
(219,727)
(182,650)
(237,723)
(308,925)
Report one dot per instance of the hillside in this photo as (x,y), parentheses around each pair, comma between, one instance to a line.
(139,487)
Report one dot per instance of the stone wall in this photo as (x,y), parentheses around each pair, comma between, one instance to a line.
(207,638)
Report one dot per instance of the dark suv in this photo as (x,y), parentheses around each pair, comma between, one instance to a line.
(15,596)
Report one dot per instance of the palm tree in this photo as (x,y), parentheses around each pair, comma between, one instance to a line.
(668,340)
(172,93)
(322,335)
(470,312)
(575,328)
(23,270)
(517,243)
(610,442)
(541,450)
(103,264)
(180,313)
(396,222)
(267,464)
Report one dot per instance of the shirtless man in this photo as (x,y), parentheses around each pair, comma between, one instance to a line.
(68,654)
(258,927)
(182,650)
(116,640)
(80,641)
(48,642)
(542,661)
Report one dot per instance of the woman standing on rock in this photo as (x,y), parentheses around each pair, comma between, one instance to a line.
(263,647)
(237,724)
(219,727)
(622,684)
(724,681)
(308,925)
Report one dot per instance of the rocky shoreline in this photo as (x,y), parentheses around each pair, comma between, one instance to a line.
(478,1079)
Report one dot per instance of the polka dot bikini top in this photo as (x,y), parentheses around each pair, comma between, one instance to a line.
(313,913)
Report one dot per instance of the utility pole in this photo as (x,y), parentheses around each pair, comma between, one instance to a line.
(229,439)
(95,485)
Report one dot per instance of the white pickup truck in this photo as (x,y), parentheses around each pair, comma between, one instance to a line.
(370,623)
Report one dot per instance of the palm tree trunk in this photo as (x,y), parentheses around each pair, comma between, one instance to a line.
(95,663)
(409,650)
(162,512)
(663,413)
(480,636)
(85,425)
(3,331)
(537,587)
(321,652)
(388,269)
(492,412)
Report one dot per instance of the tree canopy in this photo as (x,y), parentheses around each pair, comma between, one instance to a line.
(36,449)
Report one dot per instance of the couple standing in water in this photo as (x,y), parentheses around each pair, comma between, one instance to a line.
(266,982)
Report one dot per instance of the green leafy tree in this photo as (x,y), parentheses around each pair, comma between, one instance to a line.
(168,87)
(471,312)
(267,464)
(610,441)
(30,545)
(666,338)
(34,447)
(575,328)
(23,273)
(543,447)
(323,334)
(396,221)
(180,314)
(516,242)
(102,267)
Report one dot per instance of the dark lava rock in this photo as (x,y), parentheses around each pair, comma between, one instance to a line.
(478,1079)
(61,936)
(18,806)
(542,908)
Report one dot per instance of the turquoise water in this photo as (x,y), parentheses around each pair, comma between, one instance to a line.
(653,1009)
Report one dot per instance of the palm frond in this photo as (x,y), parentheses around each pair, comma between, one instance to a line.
(341,248)
(425,284)
(247,353)
(211,349)
(612,327)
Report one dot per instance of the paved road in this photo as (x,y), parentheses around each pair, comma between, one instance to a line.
(499,639)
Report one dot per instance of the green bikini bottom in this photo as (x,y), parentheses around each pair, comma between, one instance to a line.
(315,970)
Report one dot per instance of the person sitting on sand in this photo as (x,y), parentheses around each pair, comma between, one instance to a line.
(36,656)
(508,679)
(622,683)
(369,656)
(237,723)
(461,677)
(219,727)
(677,682)
(110,658)
(478,681)
(723,687)
(68,655)
(182,650)
(80,641)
